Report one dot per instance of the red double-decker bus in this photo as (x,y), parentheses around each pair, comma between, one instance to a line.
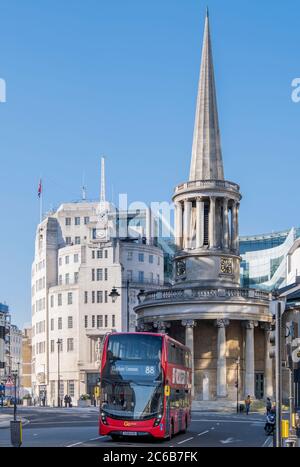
(145,386)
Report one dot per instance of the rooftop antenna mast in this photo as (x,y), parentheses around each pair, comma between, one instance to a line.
(83,188)
(102,188)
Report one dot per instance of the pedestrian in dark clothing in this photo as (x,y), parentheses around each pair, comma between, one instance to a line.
(66,400)
(70,401)
(268,405)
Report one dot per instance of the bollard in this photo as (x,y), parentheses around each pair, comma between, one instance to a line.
(16,433)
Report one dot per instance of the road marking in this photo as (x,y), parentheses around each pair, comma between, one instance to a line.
(203,433)
(98,437)
(82,442)
(75,444)
(185,440)
(267,443)
(212,428)
(227,441)
(224,421)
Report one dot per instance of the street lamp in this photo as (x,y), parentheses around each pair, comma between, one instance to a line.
(114,294)
(59,341)
(15,375)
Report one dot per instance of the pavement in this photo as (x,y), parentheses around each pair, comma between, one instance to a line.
(78,427)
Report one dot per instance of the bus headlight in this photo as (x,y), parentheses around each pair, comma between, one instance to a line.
(157,420)
(103,418)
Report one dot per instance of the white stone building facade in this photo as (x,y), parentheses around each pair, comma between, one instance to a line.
(79,259)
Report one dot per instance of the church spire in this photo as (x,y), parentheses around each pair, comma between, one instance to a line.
(206,161)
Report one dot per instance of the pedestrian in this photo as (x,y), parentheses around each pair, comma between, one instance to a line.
(66,400)
(268,405)
(248,403)
(70,401)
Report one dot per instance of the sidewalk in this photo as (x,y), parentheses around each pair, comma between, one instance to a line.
(5,420)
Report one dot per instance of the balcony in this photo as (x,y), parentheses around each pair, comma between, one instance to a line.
(206,185)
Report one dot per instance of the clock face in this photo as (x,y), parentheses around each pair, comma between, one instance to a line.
(180,268)
(101,234)
(226,266)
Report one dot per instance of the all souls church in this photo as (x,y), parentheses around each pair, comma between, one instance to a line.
(226,326)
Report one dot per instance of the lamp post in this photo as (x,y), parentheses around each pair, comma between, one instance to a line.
(237,384)
(59,341)
(114,294)
(15,375)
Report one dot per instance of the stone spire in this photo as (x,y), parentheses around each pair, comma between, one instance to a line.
(206,161)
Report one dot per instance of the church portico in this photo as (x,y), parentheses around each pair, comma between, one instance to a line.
(217,345)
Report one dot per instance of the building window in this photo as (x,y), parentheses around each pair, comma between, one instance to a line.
(86,321)
(113,320)
(99,321)
(106,296)
(129,255)
(52,324)
(93,274)
(93,296)
(77,220)
(100,254)
(52,301)
(60,261)
(68,220)
(129,275)
(70,322)
(76,258)
(99,296)
(158,278)
(141,257)
(93,254)
(85,297)
(93,321)
(99,274)
(52,346)
(60,279)
(105,274)
(141,276)
(105,321)
(86,220)
(151,259)
(106,254)
(59,323)
(76,277)
(70,298)
(70,344)
(60,345)
(71,388)
(68,240)
(158,260)
(67,278)
(59,299)
(67,260)
(151,277)
(77,240)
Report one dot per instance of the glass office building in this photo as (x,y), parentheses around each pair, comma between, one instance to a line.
(264,262)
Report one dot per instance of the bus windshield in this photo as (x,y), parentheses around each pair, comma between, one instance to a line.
(132,377)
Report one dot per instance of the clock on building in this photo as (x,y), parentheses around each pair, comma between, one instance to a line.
(226,266)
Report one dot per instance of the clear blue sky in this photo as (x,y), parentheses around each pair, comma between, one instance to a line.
(119,77)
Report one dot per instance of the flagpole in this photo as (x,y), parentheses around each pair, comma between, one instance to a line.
(41,199)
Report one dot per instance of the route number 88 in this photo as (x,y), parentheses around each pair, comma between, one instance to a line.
(150,370)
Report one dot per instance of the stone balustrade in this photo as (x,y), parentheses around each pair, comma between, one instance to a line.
(207,184)
(201,293)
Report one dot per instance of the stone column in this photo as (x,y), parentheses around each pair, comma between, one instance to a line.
(234,227)
(268,383)
(178,224)
(189,342)
(187,224)
(237,243)
(199,223)
(148,226)
(221,363)
(225,223)
(212,226)
(249,359)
